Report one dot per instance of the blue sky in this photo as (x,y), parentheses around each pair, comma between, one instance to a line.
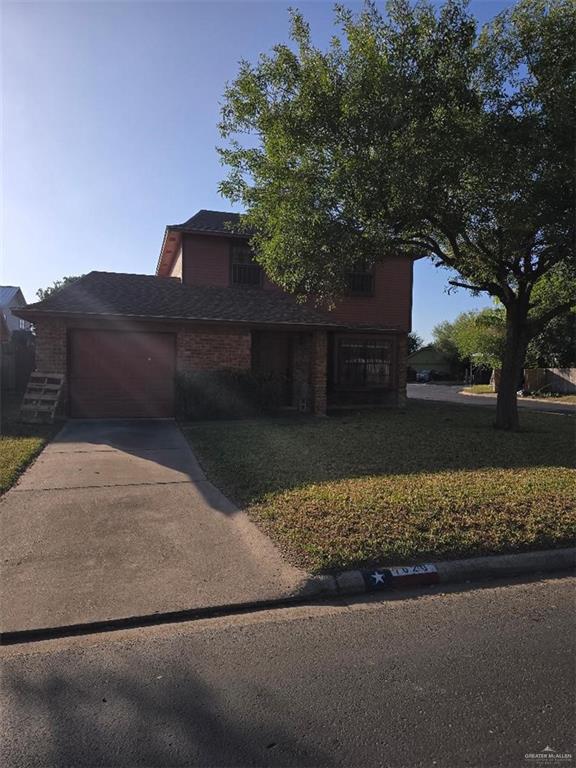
(110,114)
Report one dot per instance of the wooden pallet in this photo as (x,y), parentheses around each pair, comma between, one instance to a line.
(41,398)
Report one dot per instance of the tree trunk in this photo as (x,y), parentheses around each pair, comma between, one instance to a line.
(512,367)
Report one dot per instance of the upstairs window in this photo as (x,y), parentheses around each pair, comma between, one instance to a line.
(245,271)
(364,363)
(360,281)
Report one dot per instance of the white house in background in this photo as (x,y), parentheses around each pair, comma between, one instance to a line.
(11,297)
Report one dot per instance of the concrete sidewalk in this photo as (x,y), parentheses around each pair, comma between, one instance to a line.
(116,519)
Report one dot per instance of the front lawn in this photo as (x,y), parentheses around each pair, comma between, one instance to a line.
(19,443)
(388,487)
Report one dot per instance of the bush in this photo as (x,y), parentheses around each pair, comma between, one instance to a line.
(227,394)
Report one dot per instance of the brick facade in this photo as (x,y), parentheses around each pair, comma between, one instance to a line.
(402,365)
(319,367)
(206,349)
(51,346)
(199,350)
(301,385)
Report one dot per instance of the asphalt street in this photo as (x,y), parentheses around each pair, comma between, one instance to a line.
(449,393)
(477,677)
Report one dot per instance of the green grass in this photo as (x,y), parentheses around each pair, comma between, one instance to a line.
(388,487)
(19,443)
(480,389)
(486,389)
(553,398)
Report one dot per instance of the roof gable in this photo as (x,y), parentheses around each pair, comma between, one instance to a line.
(205,222)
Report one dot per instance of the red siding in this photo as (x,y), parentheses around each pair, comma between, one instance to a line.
(391,304)
(207,262)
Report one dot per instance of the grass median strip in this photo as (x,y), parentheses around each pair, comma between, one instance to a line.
(380,487)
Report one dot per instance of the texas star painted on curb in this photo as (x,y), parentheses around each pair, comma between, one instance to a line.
(378,577)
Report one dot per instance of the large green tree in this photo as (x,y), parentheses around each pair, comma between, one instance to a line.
(415,132)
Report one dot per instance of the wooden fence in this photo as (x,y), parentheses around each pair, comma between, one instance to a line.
(559,381)
(16,361)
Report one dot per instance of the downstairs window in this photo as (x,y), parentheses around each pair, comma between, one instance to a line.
(364,363)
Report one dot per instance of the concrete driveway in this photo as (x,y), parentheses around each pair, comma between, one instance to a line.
(116,519)
(450,393)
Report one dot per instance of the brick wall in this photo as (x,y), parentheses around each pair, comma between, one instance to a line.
(301,371)
(51,346)
(318,372)
(402,363)
(198,350)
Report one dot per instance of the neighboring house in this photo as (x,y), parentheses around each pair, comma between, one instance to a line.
(11,298)
(17,343)
(429,359)
(121,338)
(4,330)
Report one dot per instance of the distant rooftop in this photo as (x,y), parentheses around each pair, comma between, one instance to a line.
(7,293)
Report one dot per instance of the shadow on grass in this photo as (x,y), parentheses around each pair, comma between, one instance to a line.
(250,459)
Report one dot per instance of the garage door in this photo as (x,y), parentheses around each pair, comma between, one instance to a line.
(121,375)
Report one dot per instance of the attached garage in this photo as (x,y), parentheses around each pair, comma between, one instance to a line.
(118,374)
(119,340)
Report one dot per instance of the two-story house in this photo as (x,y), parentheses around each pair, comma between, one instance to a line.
(121,338)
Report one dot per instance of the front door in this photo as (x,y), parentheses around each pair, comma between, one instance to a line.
(272,357)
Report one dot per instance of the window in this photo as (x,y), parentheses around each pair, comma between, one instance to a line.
(23,324)
(360,281)
(364,363)
(245,271)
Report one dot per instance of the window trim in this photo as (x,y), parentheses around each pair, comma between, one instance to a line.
(233,263)
(392,339)
(361,273)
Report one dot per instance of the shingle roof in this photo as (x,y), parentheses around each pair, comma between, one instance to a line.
(7,293)
(217,222)
(147,296)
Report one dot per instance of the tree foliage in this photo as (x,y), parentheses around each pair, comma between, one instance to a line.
(415,342)
(555,346)
(43,293)
(476,337)
(479,337)
(416,133)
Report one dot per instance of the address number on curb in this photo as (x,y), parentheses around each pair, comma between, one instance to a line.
(388,578)
(411,570)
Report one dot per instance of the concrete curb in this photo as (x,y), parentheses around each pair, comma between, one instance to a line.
(454,571)
(323,587)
